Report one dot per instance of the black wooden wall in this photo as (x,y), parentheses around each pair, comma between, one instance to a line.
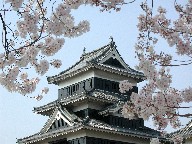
(93,140)
(58,124)
(110,119)
(88,140)
(91,84)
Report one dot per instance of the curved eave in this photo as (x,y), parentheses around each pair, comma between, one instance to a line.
(58,78)
(40,137)
(89,98)
(96,96)
(130,132)
(185,132)
(45,109)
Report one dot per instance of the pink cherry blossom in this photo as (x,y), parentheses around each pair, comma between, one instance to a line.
(157,99)
(41,34)
(56,63)
(125,86)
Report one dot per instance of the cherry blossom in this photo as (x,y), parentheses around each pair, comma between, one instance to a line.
(157,99)
(124,86)
(40,34)
(45,90)
(15,4)
(177,139)
(56,63)
(51,46)
(42,67)
(187,94)
(23,76)
(127,111)
(42,93)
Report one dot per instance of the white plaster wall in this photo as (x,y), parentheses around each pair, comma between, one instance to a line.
(77,78)
(46,141)
(188,141)
(97,134)
(95,105)
(70,136)
(77,134)
(80,107)
(113,77)
(88,104)
(95,73)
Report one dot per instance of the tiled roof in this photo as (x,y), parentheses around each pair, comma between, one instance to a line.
(76,124)
(93,56)
(39,137)
(97,95)
(91,124)
(141,132)
(185,132)
(112,108)
(58,113)
(93,60)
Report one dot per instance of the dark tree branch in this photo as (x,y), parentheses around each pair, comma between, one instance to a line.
(5,37)
(41,31)
(178,64)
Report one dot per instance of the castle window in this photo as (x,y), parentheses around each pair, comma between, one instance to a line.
(58,122)
(62,122)
(77,87)
(74,88)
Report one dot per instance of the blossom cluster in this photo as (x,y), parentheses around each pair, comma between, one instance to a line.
(38,35)
(43,36)
(56,63)
(128,111)
(157,99)
(125,86)
(177,139)
(15,4)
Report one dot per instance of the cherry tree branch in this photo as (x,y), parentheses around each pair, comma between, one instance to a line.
(5,42)
(185,64)
(41,31)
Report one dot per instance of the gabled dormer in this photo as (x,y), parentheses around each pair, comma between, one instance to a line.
(60,118)
(113,58)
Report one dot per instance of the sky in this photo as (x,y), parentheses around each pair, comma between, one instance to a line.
(16,117)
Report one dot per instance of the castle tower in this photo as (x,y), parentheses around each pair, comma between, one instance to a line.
(88,108)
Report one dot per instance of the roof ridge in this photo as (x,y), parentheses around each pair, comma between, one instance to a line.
(82,58)
(97,49)
(96,59)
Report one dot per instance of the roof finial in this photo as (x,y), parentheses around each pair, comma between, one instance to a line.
(83,54)
(84,50)
(111,38)
(112,42)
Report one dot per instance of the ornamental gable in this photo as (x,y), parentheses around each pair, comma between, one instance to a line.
(60,118)
(106,58)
